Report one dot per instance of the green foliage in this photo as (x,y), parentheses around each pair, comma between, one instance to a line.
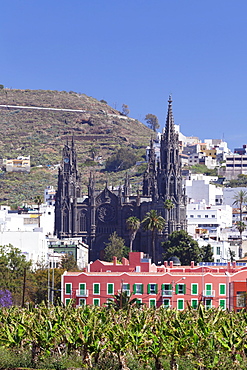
(133,224)
(201,168)
(240,181)
(122,160)
(1,86)
(121,301)
(103,338)
(115,248)
(183,246)
(152,122)
(153,222)
(207,253)
(68,263)
(12,266)
(168,204)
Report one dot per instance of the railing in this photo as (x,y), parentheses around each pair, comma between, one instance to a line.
(209,293)
(166,293)
(82,293)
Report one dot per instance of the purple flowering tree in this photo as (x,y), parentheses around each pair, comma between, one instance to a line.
(5,298)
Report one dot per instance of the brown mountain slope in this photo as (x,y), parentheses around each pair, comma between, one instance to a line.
(42,133)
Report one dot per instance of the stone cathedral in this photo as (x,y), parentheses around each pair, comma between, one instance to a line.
(96,216)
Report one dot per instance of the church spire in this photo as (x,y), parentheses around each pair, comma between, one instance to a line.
(169,129)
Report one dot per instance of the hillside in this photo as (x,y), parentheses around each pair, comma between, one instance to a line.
(42,133)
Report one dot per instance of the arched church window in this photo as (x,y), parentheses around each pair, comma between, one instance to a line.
(83,222)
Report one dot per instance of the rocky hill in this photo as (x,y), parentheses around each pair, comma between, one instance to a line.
(38,123)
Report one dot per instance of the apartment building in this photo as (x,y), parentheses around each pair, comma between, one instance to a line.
(153,285)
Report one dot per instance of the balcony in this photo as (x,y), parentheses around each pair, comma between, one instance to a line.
(166,293)
(82,293)
(209,293)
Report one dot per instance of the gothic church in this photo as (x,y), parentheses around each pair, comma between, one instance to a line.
(96,216)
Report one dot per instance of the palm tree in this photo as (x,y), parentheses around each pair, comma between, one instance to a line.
(168,204)
(154,222)
(38,200)
(240,199)
(133,225)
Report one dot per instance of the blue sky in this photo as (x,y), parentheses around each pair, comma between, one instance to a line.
(136,52)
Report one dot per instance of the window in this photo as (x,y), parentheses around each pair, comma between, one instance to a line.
(82,302)
(222,289)
(152,303)
(110,288)
(194,288)
(138,288)
(208,304)
(96,288)
(206,216)
(152,289)
(208,289)
(126,288)
(67,301)
(96,302)
(180,288)
(218,251)
(191,216)
(82,288)
(222,304)
(194,303)
(166,303)
(199,216)
(138,301)
(166,289)
(241,299)
(213,216)
(180,304)
(68,288)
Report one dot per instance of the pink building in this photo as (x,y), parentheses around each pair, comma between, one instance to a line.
(168,285)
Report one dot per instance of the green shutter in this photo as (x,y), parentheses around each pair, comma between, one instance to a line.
(208,287)
(134,288)
(110,288)
(96,288)
(96,302)
(166,303)
(176,288)
(162,286)
(128,286)
(170,287)
(142,289)
(194,303)
(156,288)
(68,288)
(222,289)
(223,304)
(148,288)
(180,304)
(184,289)
(194,288)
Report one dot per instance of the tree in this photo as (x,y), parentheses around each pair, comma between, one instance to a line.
(183,246)
(207,253)
(121,300)
(153,222)
(240,198)
(133,225)
(168,205)
(123,159)
(68,263)
(152,122)
(115,248)
(125,110)
(38,200)
(12,266)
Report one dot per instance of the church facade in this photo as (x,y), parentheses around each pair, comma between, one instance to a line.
(96,216)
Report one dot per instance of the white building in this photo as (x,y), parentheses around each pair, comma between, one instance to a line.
(199,188)
(208,219)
